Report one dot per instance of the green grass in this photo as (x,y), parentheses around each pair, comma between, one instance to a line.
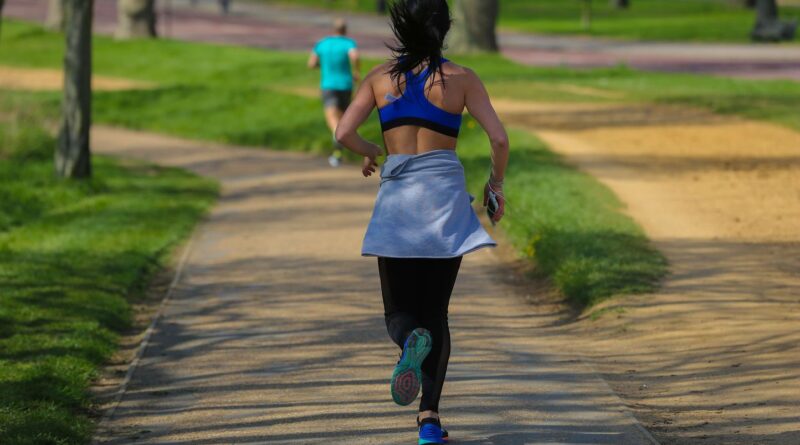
(675,20)
(73,256)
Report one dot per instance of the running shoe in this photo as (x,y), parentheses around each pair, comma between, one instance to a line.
(445,434)
(336,158)
(431,432)
(334,161)
(407,374)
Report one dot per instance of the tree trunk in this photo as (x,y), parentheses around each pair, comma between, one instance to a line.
(55,15)
(586,15)
(225,6)
(2,3)
(768,27)
(136,18)
(380,6)
(73,158)
(620,4)
(767,10)
(474,26)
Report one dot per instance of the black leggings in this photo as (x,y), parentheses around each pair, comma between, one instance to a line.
(416,293)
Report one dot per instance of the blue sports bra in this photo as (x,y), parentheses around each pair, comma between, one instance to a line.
(413,108)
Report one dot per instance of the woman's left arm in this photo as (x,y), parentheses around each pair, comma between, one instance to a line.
(356,114)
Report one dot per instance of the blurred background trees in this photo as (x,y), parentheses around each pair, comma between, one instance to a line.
(474,26)
(769,27)
(55,15)
(136,18)
(2,3)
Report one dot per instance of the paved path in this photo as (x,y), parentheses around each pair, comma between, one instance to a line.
(275,334)
(267,26)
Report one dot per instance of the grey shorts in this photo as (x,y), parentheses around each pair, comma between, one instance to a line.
(336,98)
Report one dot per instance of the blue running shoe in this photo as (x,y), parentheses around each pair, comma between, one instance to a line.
(407,374)
(430,431)
(445,434)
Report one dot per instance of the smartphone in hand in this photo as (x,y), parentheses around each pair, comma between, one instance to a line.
(492,206)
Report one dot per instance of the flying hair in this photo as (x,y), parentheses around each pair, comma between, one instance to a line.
(420,27)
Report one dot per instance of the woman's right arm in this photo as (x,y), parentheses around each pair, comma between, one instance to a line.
(480,107)
(347,131)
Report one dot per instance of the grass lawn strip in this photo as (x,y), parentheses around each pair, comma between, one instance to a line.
(74,257)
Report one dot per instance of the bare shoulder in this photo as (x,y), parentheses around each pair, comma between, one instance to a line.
(451,67)
(379,71)
(460,73)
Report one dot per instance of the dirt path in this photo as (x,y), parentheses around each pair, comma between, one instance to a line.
(41,79)
(274,333)
(713,356)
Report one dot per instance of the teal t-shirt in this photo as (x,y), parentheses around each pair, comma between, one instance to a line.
(334,62)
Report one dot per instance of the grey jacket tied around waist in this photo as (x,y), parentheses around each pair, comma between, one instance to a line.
(423,210)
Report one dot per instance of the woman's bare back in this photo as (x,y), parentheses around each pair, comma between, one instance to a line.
(462,90)
(447,93)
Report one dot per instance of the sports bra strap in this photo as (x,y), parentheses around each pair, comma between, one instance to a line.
(414,108)
(424,73)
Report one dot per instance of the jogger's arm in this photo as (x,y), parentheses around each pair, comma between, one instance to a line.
(355,64)
(358,112)
(480,107)
(313,60)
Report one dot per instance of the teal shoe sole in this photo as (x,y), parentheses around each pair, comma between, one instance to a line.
(407,375)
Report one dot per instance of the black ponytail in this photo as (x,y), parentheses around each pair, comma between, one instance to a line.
(420,27)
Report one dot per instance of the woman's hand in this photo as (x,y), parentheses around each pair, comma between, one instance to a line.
(369,165)
(501,200)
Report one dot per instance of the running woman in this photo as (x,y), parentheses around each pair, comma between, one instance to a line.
(422,223)
(337,58)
